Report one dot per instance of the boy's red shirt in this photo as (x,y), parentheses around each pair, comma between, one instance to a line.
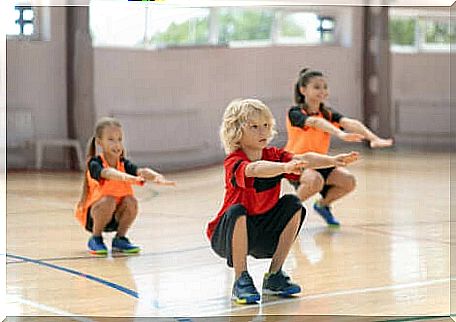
(257,195)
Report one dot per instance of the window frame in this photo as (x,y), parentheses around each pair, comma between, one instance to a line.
(36,35)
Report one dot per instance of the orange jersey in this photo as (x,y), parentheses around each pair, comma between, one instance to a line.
(303,138)
(96,189)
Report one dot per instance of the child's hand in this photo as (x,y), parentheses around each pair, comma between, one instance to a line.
(381,143)
(343,159)
(350,137)
(161,180)
(295,166)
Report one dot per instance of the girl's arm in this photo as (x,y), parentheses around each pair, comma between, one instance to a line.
(154,176)
(326,126)
(114,174)
(270,169)
(317,160)
(358,127)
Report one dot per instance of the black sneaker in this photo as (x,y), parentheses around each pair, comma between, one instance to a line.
(244,291)
(279,284)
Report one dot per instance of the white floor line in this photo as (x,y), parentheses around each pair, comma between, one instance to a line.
(337,293)
(49,309)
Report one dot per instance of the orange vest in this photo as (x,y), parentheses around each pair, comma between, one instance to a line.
(307,138)
(97,189)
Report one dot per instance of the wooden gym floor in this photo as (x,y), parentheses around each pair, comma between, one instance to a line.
(390,258)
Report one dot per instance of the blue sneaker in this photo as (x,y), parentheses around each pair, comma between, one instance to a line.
(325,212)
(122,244)
(97,246)
(279,283)
(244,291)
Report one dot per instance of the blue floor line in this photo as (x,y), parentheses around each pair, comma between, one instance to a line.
(77,273)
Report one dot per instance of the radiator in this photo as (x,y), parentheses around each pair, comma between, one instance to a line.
(422,117)
(19,127)
(163,131)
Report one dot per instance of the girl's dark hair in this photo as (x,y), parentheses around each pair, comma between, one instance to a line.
(305,75)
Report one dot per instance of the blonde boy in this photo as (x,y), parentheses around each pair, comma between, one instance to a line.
(254,219)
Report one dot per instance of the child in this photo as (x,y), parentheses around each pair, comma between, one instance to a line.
(107,202)
(253,219)
(309,125)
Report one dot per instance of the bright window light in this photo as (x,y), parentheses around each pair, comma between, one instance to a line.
(28,29)
(117,24)
(27,14)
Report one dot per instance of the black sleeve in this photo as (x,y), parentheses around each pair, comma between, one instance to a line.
(297,117)
(130,167)
(335,116)
(95,167)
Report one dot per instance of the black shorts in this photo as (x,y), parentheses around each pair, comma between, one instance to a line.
(263,230)
(325,172)
(111,226)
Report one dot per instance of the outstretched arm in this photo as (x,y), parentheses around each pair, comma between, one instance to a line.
(269,169)
(326,126)
(114,174)
(155,177)
(358,127)
(317,160)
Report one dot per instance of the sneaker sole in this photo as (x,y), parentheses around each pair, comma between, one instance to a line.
(126,251)
(247,300)
(290,291)
(98,252)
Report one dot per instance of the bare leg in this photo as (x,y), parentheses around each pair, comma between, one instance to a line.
(285,241)
(342,182)
(239,246)
(101,212)
(126,214)
(310,183)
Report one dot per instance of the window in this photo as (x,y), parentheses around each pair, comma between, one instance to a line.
(114,24)
(177,26)
(437,33)
(421,31)
(160,26)
(402,31)
(240,26)
(22,22)
(306,28)
(326,28)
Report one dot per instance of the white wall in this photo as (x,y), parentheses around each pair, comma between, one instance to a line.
(421,98)
(207,79)
(36,80)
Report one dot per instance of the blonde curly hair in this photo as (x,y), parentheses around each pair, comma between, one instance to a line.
(236,115)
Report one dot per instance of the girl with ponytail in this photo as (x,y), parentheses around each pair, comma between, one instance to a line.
(107,202)
(310,124)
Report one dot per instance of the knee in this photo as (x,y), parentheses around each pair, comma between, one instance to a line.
(237,212)
(350,182)
(131,203)
(314,184)
(106,205)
